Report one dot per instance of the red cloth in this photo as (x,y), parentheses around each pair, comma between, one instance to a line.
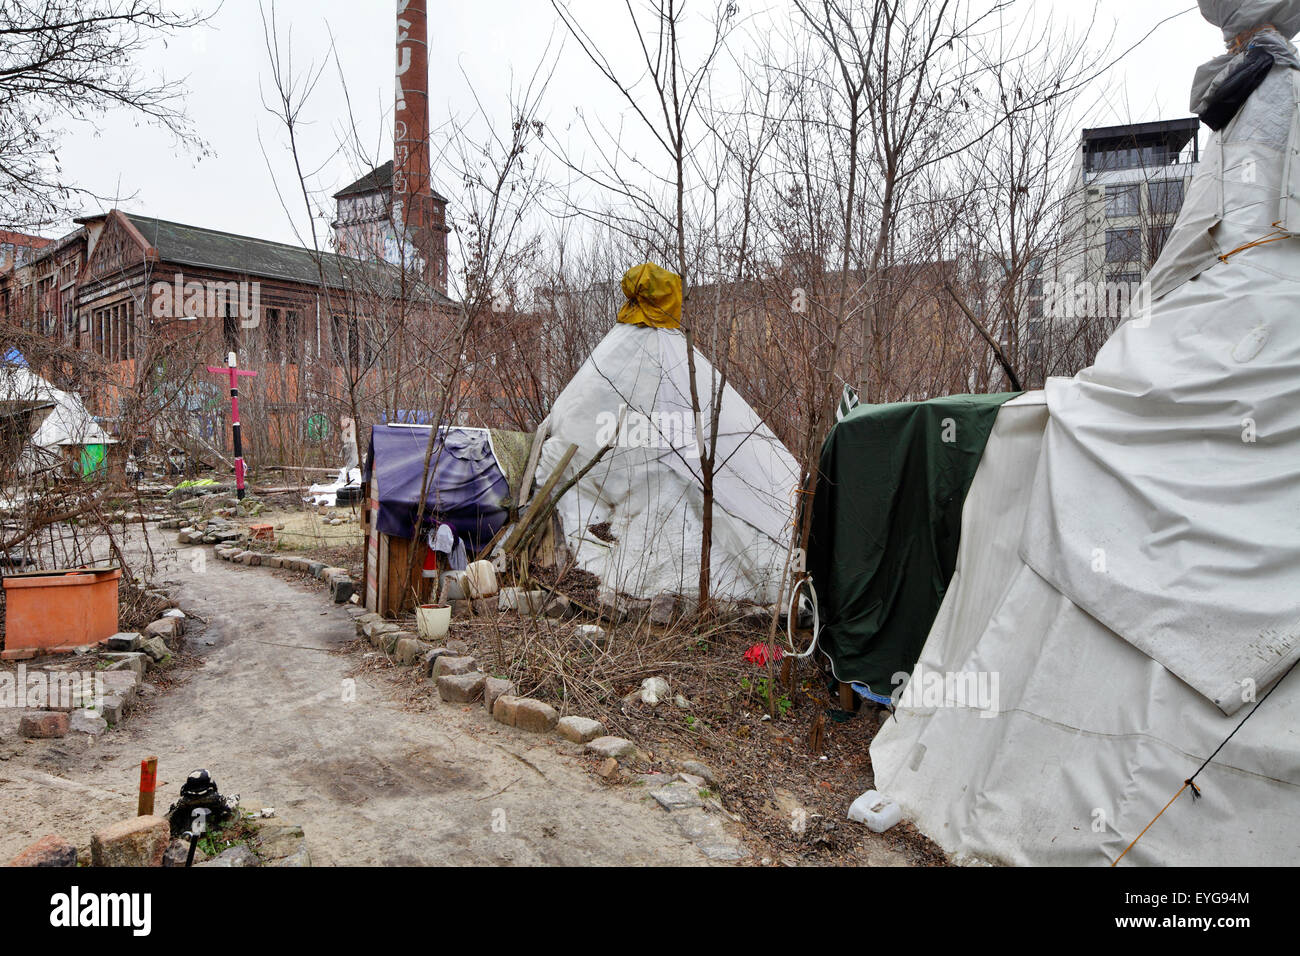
(758,654)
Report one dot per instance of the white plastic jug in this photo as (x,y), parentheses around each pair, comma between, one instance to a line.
(876,810)
(481,579)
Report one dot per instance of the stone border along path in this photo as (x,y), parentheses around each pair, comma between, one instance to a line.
(282,715)
(70,690)
(687,796)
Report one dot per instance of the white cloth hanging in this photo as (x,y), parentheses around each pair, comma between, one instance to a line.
(445,540)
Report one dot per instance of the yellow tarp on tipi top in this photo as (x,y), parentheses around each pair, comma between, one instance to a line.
(654,297)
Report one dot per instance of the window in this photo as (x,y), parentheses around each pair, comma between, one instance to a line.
(272,333)
(291,335)
(128,311)
(1123,245)
(1129,157)
(346,341)
(112,331)
(230,328)
(1166,196)
(1121,201)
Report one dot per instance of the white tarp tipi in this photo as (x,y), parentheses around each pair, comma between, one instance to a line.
(1166,500)
(62,421)
(1129,564)
(633,391)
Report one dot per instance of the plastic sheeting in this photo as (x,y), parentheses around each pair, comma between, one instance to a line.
(647,487)
(1165,504)
(1087,738)
(1251,153)
(885,528)
(66,423)
(654,297)
(466,489)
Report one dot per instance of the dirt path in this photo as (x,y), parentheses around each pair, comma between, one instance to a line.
(370,783)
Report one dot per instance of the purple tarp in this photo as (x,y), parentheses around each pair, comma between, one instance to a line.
(466,485)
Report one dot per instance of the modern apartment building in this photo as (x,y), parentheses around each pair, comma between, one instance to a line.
(1128,186)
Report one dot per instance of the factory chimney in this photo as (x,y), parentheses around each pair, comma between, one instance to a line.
(414,214)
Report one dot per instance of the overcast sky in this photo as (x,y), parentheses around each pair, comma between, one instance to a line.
(486,46)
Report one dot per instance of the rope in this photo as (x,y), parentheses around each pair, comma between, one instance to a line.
(1276,236)
(1186,784)
(1238,43)
(793,611)
(1191,781)
(1239,726)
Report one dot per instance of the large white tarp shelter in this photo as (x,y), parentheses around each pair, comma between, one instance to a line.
(1130,556)
(1172,461)
(1089,737)
(633,391)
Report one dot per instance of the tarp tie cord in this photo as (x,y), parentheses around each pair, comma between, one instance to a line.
(1278,234)
(1186,784)
(1241,39)
(1191,781)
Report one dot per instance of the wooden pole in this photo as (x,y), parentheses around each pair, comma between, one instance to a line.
(538,522)
(148,783)
(234,373)
(538,499)
(535,452)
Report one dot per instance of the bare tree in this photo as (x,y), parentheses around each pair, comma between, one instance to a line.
(669,112)
(74,60)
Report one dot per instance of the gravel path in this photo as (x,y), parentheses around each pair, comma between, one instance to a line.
(369,782)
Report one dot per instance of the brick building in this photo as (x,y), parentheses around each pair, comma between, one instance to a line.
(364,225)
(18,248)
(157,301)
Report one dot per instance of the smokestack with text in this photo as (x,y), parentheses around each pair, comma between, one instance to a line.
(413,212)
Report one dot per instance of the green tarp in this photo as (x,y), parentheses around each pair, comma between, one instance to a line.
(92,459)
(885,528)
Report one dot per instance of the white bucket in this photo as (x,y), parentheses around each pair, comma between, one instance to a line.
(433,620)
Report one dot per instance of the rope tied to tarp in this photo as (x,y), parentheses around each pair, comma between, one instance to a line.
(1191,781)
(1238,43)
(1277,235)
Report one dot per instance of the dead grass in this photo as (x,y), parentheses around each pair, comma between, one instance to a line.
(790,791)
(792,798)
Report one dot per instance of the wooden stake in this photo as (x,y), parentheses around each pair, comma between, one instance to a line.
(817,735)
(148,783)
(526,479)
(539,499)
(541,520)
